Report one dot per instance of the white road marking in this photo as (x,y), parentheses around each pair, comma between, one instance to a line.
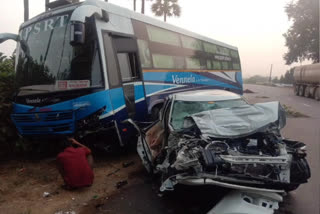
(306,105)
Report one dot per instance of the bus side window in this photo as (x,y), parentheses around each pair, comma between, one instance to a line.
(125,67)
(112,70)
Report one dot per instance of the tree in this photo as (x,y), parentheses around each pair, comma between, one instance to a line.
(142,6)
(275,80)
(256,79)
(166,8)
(288,76)
(7,132)
(2,57)
(302,38)
(6,64)
(26,10)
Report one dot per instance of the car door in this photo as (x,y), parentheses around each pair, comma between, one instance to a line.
(152,138)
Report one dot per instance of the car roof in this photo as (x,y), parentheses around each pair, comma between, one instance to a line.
(206,95)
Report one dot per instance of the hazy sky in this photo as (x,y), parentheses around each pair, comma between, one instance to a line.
(254,26)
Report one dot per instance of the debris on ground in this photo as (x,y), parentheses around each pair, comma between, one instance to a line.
(293,113)
(65,212)
(121,184)
(262,97)
(247,91)
(22,170)
(114,172)
(127,164)
(46,194)
(95,197)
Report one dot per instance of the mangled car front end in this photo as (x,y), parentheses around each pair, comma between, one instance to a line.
(238,147)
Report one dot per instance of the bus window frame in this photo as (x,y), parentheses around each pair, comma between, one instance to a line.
(136,54)
(108,72)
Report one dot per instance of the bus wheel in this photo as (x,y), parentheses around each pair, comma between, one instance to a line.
(307,91)
(301,90)
(317,93)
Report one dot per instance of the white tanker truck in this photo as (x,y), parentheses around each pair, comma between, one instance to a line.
(307,81)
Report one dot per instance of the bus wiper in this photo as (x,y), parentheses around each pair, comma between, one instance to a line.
(31,89)
(45,88)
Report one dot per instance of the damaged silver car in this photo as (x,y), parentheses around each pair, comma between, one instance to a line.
(214,137)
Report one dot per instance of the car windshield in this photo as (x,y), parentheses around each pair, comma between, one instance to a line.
(182,109)
(47,62)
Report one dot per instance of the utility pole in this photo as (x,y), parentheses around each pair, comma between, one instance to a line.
(270,74)
(47,2)
(26,10)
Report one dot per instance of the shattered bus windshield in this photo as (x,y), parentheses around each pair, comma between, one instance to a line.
(49,63)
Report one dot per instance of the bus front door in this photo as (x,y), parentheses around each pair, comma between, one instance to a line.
(131,78)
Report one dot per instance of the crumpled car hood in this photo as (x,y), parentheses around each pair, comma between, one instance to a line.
(240,121)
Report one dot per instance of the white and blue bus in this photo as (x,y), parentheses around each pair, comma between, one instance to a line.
(88,66)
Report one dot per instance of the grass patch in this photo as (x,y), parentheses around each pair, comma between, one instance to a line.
(290,112)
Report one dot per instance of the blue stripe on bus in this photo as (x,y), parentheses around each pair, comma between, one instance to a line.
(184,78)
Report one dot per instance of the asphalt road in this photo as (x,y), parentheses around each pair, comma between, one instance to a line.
(306,198)
(142,195)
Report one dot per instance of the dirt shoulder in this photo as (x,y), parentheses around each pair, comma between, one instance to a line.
(22,184)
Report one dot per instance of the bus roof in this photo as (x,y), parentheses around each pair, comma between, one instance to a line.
(111,8)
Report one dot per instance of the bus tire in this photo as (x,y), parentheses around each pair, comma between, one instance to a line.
(306,91)
(296,89)
(301,90)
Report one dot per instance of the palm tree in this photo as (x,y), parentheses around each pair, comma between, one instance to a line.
(142,6)
(26,10)
(166,8)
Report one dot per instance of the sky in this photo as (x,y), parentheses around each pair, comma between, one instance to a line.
(254,26)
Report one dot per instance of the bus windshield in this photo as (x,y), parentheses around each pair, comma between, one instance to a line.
(49,63)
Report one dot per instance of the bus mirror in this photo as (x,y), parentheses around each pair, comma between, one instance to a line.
(105,16)
(77,33)
(6,36)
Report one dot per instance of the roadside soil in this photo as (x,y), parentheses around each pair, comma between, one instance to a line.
(23,183)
